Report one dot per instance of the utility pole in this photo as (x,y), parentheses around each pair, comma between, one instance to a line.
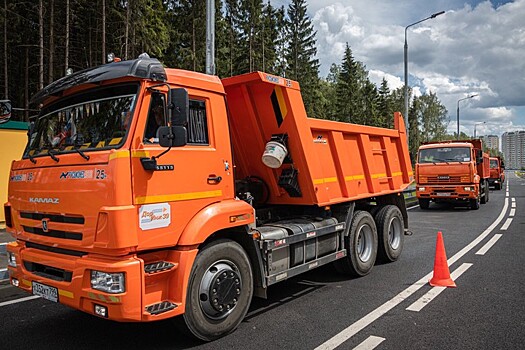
(210,37)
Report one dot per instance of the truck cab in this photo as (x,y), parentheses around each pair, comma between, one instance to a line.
(146,193)
(453,172)
(497,172)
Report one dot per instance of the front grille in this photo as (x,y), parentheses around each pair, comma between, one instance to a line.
(444,179)
(53,218)
(49,272)
(54,249)
(54,233)
(42,221)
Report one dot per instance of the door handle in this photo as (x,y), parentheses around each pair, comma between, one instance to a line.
(214,180)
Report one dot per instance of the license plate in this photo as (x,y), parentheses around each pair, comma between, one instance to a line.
(443,194)
(46,292)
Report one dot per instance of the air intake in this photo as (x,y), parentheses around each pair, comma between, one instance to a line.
(161,307)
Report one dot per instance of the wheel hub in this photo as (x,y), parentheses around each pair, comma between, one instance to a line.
(220,289)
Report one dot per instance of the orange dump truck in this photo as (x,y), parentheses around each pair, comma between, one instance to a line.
(452,171)
(146,193)
(497,172)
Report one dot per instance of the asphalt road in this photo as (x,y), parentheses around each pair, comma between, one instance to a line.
(392,308)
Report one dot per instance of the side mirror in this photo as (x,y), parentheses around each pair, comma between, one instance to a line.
(178,106)
(175,136)
(502,166)
(479,156)
(5,111)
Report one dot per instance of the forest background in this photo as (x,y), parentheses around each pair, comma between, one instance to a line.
(42,39)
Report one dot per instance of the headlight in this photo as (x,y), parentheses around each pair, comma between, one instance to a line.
(468,188)
(11,259)
(421,188)
(108,282)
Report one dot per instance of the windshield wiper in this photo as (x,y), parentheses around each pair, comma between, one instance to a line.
(440,160)
(79,141)
(31,158)
(85,156)
(52,153)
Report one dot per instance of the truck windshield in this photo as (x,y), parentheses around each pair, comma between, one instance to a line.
(493,164)
(444,155)
(88,121)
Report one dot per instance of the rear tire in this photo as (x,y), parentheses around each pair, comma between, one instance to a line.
(219,291)
(424,203)
(390,232)
(361,246)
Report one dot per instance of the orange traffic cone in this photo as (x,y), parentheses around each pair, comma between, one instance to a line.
(441,276)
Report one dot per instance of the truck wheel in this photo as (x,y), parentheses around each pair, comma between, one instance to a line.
(219,291)
(361,246)
(485,195)
(474,204)
(424,203)
(390,232)
(497,186)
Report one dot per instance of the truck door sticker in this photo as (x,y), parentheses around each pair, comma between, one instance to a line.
(153,216)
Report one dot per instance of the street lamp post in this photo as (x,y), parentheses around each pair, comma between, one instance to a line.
(406,65)
(457,112)
(476,124)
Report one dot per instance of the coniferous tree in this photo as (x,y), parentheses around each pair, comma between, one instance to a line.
(300,57)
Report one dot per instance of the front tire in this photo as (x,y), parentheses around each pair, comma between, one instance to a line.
(219,291)
(424,203)
(361,246)
(474,203)
(391,233)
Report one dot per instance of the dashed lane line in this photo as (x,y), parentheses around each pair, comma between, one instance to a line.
(370,343)
(435,291)
(506,224)
(489,244)
(368,319)
(10,302)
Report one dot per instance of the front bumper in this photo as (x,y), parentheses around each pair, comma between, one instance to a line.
(71,275)
(447,193)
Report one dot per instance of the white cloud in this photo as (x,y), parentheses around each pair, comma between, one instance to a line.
(476,47)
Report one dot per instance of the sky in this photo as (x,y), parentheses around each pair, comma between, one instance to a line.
(475,47)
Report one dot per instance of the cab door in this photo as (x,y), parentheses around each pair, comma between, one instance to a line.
(192,177)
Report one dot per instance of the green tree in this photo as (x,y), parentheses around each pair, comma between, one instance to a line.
(300,56)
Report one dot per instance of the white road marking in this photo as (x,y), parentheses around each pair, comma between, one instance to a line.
(435,291)
(370,343)
(513,199)
(512,212)
(21,300)
(366,320)
(489,244)
(506,224)
(513,205)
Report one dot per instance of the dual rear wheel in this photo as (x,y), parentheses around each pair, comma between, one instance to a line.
(380,236)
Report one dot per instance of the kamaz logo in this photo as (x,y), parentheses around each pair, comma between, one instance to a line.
(43,200)
(73,175)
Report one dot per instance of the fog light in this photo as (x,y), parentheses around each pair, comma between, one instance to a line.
(101,310)
(15,282)
(108,282)
(11,259)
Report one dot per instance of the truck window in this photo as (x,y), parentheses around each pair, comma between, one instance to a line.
(91,120)
(444,154)
(493,164)
(156,117)
(198,123)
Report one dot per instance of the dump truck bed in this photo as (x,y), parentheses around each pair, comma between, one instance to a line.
(328,162)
